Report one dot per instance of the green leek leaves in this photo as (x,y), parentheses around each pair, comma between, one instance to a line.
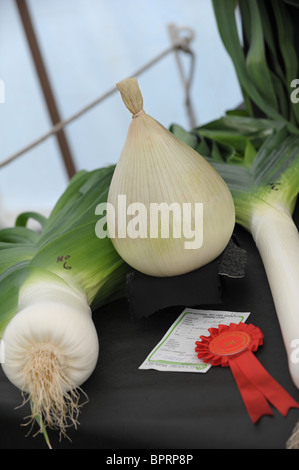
(265,58)
(65,249)
(272,171)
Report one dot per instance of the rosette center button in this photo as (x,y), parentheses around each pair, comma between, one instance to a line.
(229,342)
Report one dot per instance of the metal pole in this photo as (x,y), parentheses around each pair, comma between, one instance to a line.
(45,84)
(176,38)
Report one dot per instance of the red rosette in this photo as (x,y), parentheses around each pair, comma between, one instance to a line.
(210,356)
(233,346)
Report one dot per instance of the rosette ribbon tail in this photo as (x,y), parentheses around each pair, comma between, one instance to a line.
(257,387)
(233,346)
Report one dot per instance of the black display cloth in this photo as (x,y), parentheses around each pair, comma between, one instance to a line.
(148,294)
(130,408)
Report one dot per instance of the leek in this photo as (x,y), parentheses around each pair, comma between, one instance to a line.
(51,280)
(266,65)
(264,175)
(264,190)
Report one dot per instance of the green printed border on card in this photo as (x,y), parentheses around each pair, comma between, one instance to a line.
(160,361)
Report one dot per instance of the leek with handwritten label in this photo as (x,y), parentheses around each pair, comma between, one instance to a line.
(50,282)
(256,149)
(264,188)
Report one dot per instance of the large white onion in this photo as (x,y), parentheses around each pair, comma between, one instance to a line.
(154,168)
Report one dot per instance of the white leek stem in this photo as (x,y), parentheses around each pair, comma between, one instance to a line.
(51,348)
(277,240)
